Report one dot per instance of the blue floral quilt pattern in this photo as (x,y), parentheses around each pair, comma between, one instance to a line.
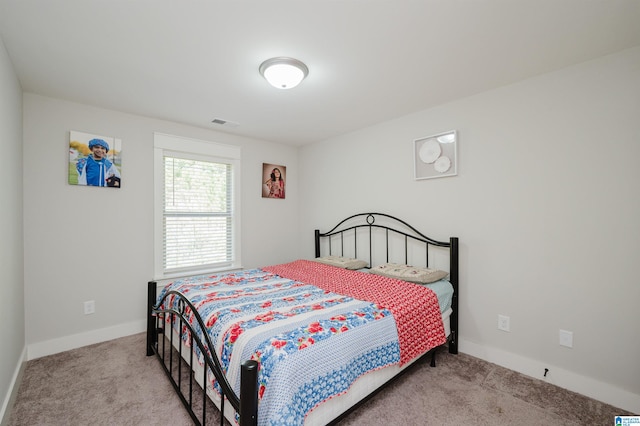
(311,344)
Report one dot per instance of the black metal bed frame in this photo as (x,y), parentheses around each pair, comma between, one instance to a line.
(246,404)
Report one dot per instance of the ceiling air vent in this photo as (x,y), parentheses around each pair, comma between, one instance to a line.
(225,123)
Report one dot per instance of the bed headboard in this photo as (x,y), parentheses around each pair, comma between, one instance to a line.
(370,236)
(364,235)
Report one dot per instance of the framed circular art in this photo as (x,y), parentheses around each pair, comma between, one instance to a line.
(436,156)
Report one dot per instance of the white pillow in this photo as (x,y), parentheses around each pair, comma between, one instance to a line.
(342,262)
(409,273)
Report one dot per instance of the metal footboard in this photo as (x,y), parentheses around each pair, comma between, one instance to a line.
(179,371)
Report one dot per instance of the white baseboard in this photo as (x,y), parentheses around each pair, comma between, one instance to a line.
(592,388)
(13,389)
(54,346)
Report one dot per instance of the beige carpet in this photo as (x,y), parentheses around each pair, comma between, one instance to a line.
(114,383)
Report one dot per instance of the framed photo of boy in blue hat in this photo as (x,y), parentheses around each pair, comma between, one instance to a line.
(94,160)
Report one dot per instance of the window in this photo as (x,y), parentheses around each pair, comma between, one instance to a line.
(197,212)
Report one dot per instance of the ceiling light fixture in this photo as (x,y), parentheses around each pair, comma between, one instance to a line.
(283,73)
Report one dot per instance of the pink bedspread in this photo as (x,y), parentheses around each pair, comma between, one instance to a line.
(415,308)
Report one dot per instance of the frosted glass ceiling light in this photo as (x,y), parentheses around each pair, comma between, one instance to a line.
(283,73)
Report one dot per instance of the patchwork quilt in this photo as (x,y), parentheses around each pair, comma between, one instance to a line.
(313,329)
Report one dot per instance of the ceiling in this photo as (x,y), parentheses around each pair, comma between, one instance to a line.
(369,60)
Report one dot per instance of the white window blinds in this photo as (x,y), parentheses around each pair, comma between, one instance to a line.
(197,214)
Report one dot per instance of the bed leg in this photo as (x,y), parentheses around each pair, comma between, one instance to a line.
(152,337)
(453,343)
(249,393)
(433,357)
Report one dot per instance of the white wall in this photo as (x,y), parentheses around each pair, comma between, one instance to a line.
(546,206)
(88,243)
(12,334)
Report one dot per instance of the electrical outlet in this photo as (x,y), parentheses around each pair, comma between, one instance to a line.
(89,307)
(566,338)
(503,323)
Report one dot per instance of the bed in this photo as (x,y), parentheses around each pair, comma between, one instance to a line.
(306,342)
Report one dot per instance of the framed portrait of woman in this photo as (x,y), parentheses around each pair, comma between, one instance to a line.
(273,181)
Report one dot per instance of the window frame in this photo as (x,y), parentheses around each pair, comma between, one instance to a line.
(202,151)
